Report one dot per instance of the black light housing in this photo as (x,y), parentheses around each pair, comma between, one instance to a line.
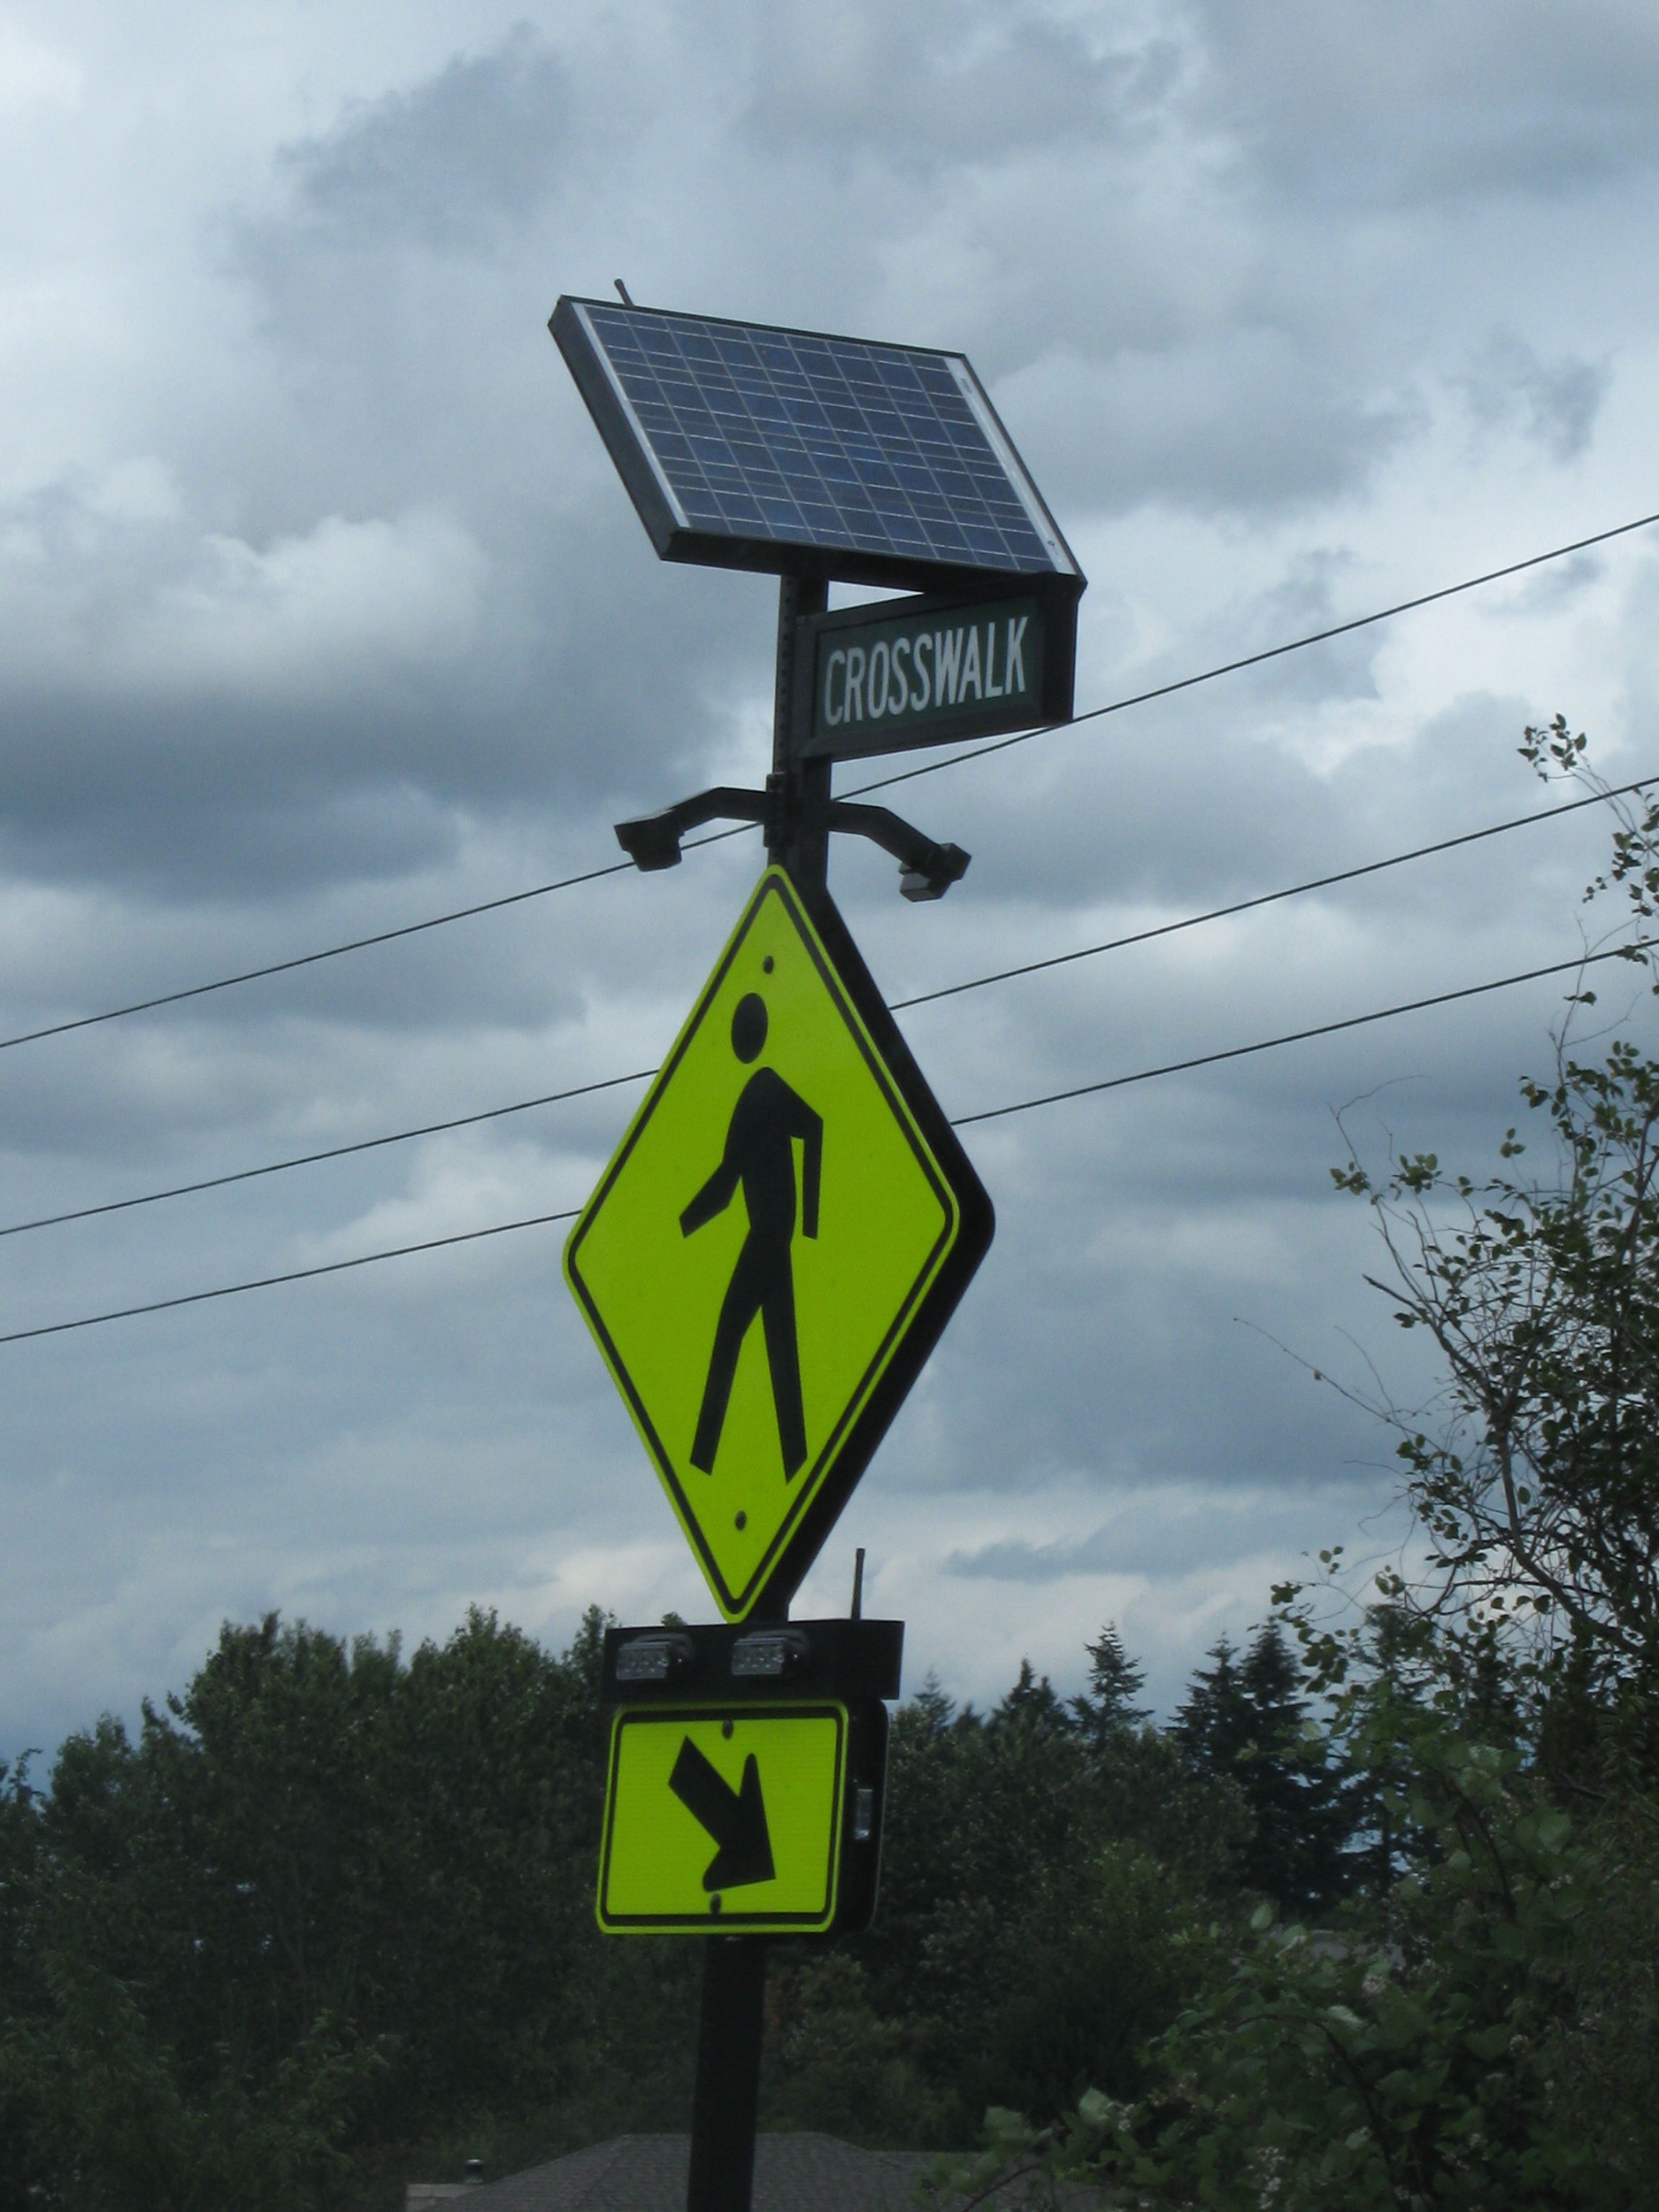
(852,1660)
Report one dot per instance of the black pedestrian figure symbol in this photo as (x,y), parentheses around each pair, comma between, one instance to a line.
(759,1154)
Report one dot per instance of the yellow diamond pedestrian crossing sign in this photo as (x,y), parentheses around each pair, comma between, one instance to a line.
(772,1253)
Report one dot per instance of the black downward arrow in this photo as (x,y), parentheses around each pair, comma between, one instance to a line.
(736,1819)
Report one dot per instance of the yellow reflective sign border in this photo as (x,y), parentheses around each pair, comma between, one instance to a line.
(817,1494)
(723,1819)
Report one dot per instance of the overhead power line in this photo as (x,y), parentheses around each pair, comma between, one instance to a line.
(958,1121)
(898,1005)
(1268,652)
(1265,898)
(291,1275)
(310,959)
(1292,1036)
(882,783)
(330,1153)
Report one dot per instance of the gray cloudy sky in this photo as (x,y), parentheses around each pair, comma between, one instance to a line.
(322,609)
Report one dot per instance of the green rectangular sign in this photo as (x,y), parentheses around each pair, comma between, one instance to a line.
(881,678)
(884,681)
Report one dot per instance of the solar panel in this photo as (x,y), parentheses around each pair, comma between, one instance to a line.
(750,446)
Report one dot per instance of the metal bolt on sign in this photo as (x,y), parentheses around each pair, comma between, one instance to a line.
(762,1319)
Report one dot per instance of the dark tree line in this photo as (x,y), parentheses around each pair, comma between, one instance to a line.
(332,1910)
(326,1900)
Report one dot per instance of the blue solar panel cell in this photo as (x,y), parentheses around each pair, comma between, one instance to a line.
(806,440)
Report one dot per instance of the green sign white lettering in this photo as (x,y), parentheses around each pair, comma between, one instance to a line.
(880,683)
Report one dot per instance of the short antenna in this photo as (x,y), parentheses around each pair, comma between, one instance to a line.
(622,291)
(857,1584)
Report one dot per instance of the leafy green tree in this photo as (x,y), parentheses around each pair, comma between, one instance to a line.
(1410,2062)
(1538,1483)
(317,1830)
(1037,1860)
(1481,2026)
(24,1998)
(1604,2057)
(329,1902)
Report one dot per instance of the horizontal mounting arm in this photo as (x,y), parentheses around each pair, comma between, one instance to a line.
(926,870)
(654,840)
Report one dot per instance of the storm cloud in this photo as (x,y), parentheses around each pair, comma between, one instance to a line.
(322,611)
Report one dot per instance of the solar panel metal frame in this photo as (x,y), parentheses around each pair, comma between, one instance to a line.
(717,540)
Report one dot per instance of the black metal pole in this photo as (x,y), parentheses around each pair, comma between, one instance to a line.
(733,2020)
(728,2074)
(802,786)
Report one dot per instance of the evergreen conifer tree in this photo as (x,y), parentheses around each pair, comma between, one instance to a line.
(1242,1718)
(1107,1708)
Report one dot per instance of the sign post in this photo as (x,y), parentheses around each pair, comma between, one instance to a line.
(790,1221)
(745,1795)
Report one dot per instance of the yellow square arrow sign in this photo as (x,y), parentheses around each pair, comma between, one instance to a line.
(720,1821)
(773,1250)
